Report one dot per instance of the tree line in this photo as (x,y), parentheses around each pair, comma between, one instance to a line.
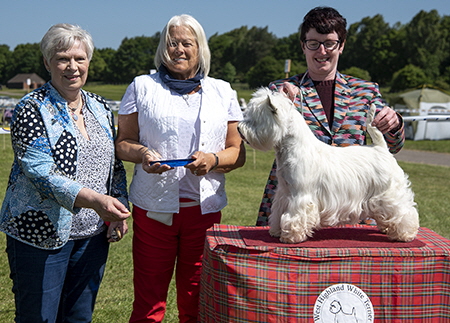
(401,56)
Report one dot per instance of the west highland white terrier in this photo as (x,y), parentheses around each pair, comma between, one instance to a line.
(322,186)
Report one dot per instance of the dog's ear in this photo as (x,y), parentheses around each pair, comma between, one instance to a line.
(272,107)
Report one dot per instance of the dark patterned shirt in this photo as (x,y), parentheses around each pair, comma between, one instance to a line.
(38,207)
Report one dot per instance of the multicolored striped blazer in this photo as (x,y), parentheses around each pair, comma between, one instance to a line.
(352,100)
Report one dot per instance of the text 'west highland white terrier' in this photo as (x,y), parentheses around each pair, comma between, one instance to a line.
(320,185)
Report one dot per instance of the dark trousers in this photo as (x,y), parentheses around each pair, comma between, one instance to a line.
(57,285)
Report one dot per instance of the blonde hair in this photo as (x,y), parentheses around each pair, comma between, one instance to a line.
(162,55)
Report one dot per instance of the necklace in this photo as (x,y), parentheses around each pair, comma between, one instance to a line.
(186,98)
(73,110)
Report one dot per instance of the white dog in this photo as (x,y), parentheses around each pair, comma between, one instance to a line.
(320,185)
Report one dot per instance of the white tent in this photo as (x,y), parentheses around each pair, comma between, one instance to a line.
(429,102)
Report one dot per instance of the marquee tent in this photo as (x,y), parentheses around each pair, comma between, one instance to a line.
(429,102)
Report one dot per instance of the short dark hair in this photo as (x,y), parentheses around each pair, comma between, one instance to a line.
(325,20)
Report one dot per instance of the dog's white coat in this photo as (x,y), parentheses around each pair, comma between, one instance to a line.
(320,185)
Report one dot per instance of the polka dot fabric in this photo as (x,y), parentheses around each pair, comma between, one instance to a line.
(38,208)
(66,154)
(35,227)
(29,126)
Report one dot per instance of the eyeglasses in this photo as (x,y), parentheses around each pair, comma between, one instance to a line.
(315,44)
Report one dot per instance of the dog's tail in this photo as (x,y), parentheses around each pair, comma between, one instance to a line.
(375,134)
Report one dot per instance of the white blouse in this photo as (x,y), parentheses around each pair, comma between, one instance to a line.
(164,126)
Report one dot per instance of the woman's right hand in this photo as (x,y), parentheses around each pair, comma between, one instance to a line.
(290,90)
(107,207)
(111,209)
(150,156)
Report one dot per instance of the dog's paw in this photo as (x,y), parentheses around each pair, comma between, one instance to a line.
(275,233)
(405,236)
(293,238)
(397,233)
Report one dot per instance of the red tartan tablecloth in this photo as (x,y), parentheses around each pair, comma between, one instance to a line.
(244,282)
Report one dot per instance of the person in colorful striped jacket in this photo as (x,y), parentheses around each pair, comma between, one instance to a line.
(334,105)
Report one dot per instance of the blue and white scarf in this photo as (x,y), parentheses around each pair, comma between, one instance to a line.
(179,86)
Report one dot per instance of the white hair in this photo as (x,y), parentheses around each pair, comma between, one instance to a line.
(61,37)
(162,55)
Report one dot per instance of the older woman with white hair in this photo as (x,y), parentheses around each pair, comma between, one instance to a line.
(64,184)
(179,127)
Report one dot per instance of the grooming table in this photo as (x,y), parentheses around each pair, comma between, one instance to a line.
(347,274)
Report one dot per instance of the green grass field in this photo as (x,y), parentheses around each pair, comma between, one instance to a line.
(116,92)
(244,188)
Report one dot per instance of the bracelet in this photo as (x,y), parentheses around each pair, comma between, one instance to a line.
(216,163)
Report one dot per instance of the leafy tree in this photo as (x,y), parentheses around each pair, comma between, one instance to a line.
(297,68)
(372,48)
(258,45)
(229,72)
(5,58)
(242,47)
(134,57)
(97,66)
(357,72)
(219,45)
(108,55)
(388,55)
(446,74)
(289,48)
(426,42)
(393,58)
(265,71)
(444,69)
(442,84)
(27,58)
(366,39)
(408,77)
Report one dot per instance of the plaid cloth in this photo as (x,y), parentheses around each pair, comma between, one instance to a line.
(243,283)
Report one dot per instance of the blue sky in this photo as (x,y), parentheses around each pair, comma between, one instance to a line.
(110,21)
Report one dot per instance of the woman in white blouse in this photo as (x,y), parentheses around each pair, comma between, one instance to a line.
(177,113)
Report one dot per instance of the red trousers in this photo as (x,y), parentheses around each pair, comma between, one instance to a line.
(158,249)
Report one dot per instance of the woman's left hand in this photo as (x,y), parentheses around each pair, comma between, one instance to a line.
(232,157)
(116,230)
(386,120)
(202,164)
